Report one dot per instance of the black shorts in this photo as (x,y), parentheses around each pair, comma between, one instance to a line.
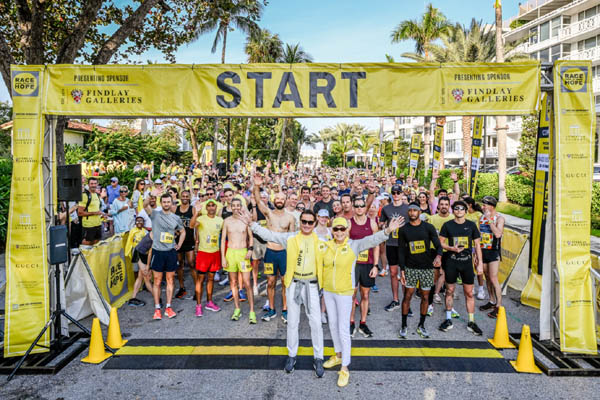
(137,256)
(93,233)
(490,256)
(164,261)
(453,269)
(392,254)
(186,246)
(361,274)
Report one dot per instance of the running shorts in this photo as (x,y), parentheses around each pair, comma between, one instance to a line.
(208,262)
(236,261)
(275,261)
(423,277)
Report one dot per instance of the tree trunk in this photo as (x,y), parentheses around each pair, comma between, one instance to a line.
(441,121)
(61,125)
(467,127)
(501,127)
(194,143)
(224,45)
(246,139)
(426,143)
(215,143)
(283,128)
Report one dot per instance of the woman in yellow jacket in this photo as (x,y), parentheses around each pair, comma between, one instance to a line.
(339,281)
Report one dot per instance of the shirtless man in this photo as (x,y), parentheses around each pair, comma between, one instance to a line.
(236,250)
(278,220)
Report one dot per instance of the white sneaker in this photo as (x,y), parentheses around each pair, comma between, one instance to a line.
(480,293)
(437,299)
(224,282)
(217,276)
(323,318)
(255,291)
(266,306)
(430,310)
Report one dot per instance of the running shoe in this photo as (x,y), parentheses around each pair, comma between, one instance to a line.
(446,325)
(284,316)
(454,314)
(472,327)
(198,310)
(392,306)
(170,313)
(369,311)
(217,276)
(422,331)
(229,296)
(356,303)
(266,307)
(333,361)
(323,318)
(410,313)
(157,314)
(383,272)
(403,332)
(458,281)
(318,366)
(136,302)
(352,329)
(255,291)
(269,315)
(480,293)
(343,378)
(437,299)
(494,313)
(364,329)
(375,289)
(243,295)
(237,313)
(224,281)
(290,364)
(487,306)
(430,310)
(252,317)
(180,293)
(212,306)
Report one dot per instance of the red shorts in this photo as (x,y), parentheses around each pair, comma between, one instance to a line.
(208,262)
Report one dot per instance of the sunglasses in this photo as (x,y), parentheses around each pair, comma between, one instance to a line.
(459,208)
(123,191)
(339,229)
(360,205)
(300,208)
(396,192)
(305,222)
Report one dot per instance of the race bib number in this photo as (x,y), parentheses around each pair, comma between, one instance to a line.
(461,241)
(212,240)
(166,237)
(395,234)
(486,238)
(245,266)
(417,247)
(363,256)
(262,222)
(269,268)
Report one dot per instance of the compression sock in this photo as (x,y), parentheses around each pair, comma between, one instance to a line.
(471,317)
(448,314)
(422,320)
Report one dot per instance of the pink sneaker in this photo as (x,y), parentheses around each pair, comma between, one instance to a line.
(198,310)
(212,306)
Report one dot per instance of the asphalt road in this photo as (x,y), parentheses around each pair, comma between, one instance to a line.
(79,380)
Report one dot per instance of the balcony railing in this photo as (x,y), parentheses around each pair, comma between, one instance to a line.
(580,27)
(596,84)
(588,54)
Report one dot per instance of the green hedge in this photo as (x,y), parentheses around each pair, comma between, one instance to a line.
(5,177)
(519,189)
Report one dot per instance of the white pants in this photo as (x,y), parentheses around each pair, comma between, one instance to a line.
(313,312)
(339,309)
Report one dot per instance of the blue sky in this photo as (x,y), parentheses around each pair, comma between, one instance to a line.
(336,31)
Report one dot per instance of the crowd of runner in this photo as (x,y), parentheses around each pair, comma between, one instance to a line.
(325,234)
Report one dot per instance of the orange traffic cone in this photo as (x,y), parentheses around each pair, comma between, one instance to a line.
(525,361)
(501,340)
(114,339)
(96,352)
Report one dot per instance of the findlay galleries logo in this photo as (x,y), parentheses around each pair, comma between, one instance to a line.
(105,96)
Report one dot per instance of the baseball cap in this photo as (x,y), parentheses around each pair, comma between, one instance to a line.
(158,182)
(196,187)
(211,201)
(114,179)
(396,188)
(414,206)
(459,203)
(340,221)
(173,178)
(490,200)
(323,213)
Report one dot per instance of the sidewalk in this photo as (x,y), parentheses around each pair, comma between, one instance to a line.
(525,224)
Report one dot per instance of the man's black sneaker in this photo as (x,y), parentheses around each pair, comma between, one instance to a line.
(446,325)
(352,329)
(136,302)
(290,364)
(494,313)
(318,366)
(392,306)
(487,306)
(364,329)
(410,313)
(472,327)
(369,311)
(180,293)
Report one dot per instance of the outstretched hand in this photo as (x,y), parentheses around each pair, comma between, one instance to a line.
(245,216)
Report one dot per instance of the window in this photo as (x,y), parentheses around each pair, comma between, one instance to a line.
(545,55)
(492,141)
(450,146)
(590,43)
(597,100)
(566,20)
(533,35)
(544,31)
(566,49)
(451,127)
(555,27)
(512,118)
(580,45)
(590,12)
(555,52)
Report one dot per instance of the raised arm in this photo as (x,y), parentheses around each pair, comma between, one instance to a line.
(434,177)
(258,181)
(455,188)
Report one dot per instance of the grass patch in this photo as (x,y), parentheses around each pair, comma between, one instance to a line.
(515,210)
(595,232)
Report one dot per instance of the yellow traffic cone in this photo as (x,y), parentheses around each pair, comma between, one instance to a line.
(96,353)
(501,340)
(114,339)
(525,361)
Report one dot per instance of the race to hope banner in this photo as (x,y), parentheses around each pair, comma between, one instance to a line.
(415,152)
(438,139)
(27,296)
(532,293)
(512,246)
(575,127)
(296,90)
(475,153)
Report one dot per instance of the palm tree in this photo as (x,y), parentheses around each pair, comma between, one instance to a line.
(432,25)
(222,15)
(292,54)
(501,127)
(345,139)
(365,141)
(261,47)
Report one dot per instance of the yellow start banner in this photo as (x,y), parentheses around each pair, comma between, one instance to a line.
(293,90)
(438,139)
(475,153)
(27,297)
(574,139)
(415,152)
(512,246)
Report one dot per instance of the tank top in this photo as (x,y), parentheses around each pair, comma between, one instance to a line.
(186,217)
(358,232)
(488,240)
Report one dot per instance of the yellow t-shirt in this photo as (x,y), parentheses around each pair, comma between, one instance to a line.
(306,267)
(92,220)
(208,231)
(474,217)
(437,221)
(203,207)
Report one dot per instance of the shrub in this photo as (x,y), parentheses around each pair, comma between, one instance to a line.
(519,189)
(126,177)
(5,178)
(487,185)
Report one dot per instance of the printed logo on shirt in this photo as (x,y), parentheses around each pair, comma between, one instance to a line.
(417,247)
(461,241)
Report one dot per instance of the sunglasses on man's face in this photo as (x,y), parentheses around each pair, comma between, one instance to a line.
(300,208)
(339,229)
(459,208)
(395,192)
(359,205)
(305,222)
(123,191)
